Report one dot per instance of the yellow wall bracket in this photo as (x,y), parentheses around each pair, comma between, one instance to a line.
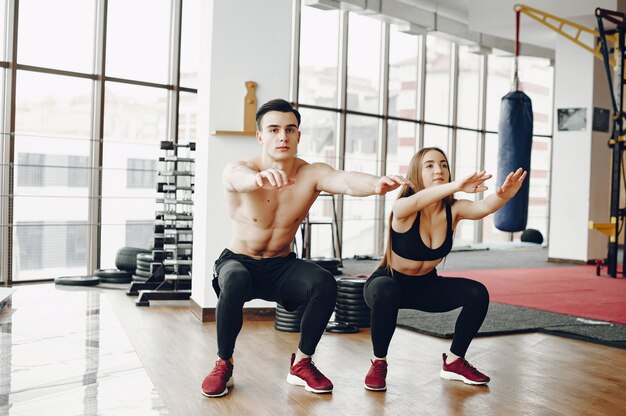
(605,228)
(249,113)
(570,30)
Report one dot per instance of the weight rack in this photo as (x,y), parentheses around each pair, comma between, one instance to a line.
(170,268)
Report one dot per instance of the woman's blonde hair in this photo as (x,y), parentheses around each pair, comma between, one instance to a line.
(415,176)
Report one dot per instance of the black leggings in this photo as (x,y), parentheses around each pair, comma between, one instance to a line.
(429,293)
(287,280)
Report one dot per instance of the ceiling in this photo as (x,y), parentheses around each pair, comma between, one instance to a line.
(497,17)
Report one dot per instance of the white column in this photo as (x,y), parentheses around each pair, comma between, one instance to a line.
(241,40)
(581,180)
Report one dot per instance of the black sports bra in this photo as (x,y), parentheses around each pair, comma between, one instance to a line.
(409,244)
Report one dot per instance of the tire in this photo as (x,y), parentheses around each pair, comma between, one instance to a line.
(77,280)
(126,258)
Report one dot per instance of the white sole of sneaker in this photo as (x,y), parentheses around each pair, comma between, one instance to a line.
(448,375)
(374,389)
(297,381)
(229,383)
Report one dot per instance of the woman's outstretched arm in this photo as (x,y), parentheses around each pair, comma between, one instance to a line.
(483,207)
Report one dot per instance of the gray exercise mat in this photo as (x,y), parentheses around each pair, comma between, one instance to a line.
(508,319)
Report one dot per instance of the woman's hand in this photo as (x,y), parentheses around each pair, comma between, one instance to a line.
(512,184)
(474,182)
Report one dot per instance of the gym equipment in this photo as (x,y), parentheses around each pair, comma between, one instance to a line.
(113,276)
(169,145)
(166,274)
(126,258)
(288,321)
(515,134)
(351,308)
(515,139)
(531,235)
(77,280)
(341,328)
(613,59)
(331,264)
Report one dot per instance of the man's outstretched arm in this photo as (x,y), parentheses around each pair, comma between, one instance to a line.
(355,183)
(240,177)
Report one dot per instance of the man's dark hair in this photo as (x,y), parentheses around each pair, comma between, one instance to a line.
(276,105)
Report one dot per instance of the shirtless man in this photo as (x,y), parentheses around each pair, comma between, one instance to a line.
(268,197)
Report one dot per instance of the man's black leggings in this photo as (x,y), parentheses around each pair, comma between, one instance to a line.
(429,293)
(287,280)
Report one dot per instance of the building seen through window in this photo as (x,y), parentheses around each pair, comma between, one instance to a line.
(64,137)
(382,139)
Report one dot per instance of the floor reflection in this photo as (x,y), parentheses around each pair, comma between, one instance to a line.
(64,352)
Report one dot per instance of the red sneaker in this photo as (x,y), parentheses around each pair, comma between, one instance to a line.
(218,381)
(304,373)
(375,378)
(461,370)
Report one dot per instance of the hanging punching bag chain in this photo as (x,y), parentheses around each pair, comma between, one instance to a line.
(515,76)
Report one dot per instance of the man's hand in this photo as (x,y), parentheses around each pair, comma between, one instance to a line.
(391,182)
(512,184)
(272,179)
(473,183)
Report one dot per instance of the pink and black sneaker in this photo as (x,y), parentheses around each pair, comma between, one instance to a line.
(217,382)
(463,371)
(304,373)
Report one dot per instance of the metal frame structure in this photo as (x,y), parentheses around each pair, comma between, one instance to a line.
(616,143)
(613,58)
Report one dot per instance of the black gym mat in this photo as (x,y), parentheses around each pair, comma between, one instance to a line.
(504,319)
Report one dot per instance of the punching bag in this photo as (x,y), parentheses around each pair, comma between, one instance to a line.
(515,134)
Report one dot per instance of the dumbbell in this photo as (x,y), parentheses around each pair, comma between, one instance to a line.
(168,145)
(159,255)
(164,187)
(177,159)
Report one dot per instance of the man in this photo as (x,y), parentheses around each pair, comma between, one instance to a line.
(268,197)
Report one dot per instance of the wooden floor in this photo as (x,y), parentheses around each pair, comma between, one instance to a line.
(532,374)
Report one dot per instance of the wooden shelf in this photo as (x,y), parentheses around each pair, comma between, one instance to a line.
(233,133)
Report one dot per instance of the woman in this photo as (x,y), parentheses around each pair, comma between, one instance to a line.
(422,224)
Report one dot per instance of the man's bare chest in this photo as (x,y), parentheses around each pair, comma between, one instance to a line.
(278,208)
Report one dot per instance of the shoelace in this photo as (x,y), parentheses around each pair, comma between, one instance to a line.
(378,369)
(471,368)
(310,366)
(219,370)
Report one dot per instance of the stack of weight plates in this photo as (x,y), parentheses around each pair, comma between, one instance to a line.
(330,264)
(351,307)
(288,321)
(143,269)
